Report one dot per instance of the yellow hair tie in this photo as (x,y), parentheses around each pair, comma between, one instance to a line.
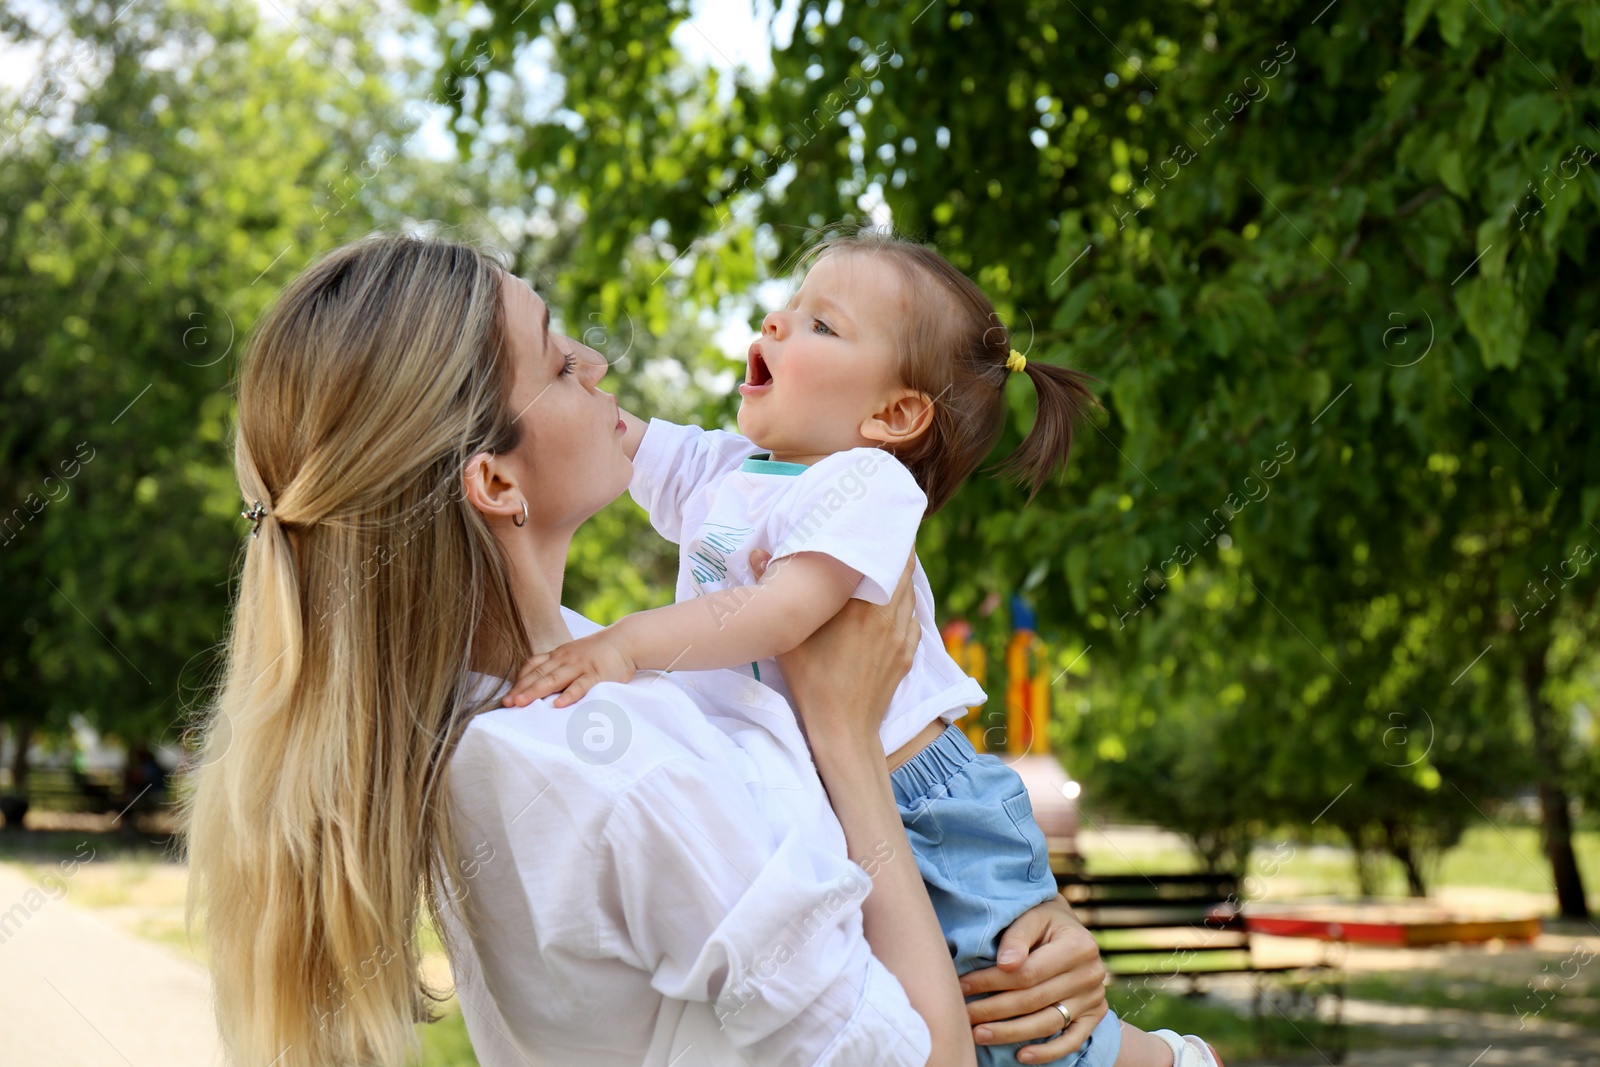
(1016,361)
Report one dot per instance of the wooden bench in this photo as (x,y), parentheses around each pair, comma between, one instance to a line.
(1162,927)
(63,789)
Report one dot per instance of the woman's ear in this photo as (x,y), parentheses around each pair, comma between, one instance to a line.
(902,420)
(489,486)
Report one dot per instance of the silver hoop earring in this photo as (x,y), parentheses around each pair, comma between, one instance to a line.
(524,520)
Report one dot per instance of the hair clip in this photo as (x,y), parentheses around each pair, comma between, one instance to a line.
(255,514)
(1016,362)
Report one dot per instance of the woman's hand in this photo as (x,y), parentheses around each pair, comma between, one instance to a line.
(843,676)
(1046,958)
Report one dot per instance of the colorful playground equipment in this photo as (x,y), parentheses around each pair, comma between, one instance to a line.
(1020,731)
(1409,925)
(1027,685)
(970,657)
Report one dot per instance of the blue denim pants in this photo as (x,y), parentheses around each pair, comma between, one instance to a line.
(985,862)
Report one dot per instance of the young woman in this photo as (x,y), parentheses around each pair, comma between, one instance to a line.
(654,875)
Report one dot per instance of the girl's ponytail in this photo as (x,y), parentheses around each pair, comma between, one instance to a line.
(1064,401)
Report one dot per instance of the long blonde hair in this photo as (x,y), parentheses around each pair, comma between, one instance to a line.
(315,826)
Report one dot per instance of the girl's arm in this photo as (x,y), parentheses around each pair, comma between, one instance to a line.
(673,463)
(727,628)
(842,678)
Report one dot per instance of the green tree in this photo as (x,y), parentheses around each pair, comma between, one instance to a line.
(169,170)
(1359,234)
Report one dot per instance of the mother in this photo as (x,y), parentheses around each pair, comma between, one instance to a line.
(651,876)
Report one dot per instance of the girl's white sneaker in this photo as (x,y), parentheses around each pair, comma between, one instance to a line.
(1188,1050)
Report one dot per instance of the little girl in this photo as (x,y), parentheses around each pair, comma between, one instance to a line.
(870,399)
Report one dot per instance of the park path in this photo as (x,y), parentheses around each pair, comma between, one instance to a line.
(1480,1039)
(1409,1036)
(76,991)
(1413,1036)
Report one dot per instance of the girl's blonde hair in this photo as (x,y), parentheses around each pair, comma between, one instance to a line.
(315,826)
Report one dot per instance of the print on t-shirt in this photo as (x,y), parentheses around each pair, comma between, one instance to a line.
(709,551)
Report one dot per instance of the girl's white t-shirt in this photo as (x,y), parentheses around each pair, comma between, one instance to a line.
(708,492)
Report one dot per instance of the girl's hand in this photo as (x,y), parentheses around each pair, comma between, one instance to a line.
(853,662)
(572,669)
(1053,960)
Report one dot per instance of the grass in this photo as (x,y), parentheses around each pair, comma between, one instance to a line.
(445,1043)
(1491,856)
(52,846)
(1551,998)
(1511,857)
(1285,1034)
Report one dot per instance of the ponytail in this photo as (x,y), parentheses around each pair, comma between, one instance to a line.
(1065,401)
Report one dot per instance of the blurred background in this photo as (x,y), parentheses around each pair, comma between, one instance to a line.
(1298,656)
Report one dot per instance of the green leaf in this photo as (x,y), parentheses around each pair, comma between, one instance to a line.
(1073,306)
(1588,16)
(1128,398)
(1474,111)
(1077,568)
(1495,318)
(1452,21)
(1451,174)
(1417,12)
(1319,386)
(1560,205)
(1494,237)
(1526,115)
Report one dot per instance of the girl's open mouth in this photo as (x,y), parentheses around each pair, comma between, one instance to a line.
(757,378)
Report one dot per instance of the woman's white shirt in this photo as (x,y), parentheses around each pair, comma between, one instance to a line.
(654,876)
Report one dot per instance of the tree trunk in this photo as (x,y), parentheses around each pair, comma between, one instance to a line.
(22,733)
(1361,857)
(1400,848)
(1415,886)
(1555,806)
